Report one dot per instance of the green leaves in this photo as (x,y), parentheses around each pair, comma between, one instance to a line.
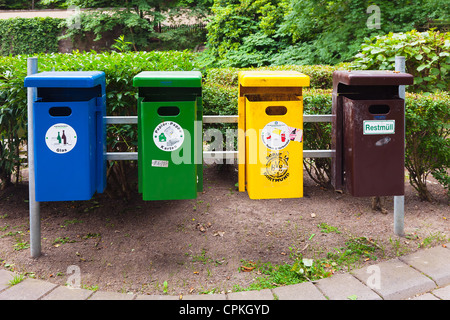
(29,35)
(427,56)
(427,148)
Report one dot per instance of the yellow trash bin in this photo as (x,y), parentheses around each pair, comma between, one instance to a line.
(270,133)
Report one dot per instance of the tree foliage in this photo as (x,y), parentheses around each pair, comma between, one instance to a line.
(139,20)
(263,32)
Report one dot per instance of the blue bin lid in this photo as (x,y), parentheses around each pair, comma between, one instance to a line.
(66,79)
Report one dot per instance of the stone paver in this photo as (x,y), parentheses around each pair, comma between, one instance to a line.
(65,293)
(424,275)
(5,277)
(426,296)
(28,289)
(301,291)
(156,297)
(434,262)
(394,280)
(204,297)
(265,294)
(106,295)
(343,286)
(442,293)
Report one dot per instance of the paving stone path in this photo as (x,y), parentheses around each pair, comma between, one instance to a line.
(423,275)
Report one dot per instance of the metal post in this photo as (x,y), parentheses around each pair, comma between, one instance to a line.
(399,201)
(35,219)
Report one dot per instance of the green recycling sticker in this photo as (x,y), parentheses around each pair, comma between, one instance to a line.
(168,136)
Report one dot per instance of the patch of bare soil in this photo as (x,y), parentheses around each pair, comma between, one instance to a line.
(198,246)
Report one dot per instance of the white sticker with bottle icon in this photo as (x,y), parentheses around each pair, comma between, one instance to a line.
(61,138)
(168,136)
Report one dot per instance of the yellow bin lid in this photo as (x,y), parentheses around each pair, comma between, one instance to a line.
(273,79)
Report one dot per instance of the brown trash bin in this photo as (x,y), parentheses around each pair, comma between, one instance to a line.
(368,134)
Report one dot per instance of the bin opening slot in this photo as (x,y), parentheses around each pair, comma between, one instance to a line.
(368,92)
(272,97)
(169,94)
(168,111)
(68,94)
(379,109)
(60,111)
(276,111)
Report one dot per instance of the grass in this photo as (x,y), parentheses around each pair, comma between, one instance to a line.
(300,269)
(325,228)
(433,238)
(59,241)
(205,259)
(18,278)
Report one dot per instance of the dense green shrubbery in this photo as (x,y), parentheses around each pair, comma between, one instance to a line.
(246,33)
(321,77)
(29,35)
(427,133)
(427,57)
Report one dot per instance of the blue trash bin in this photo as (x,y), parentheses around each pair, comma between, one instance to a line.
(69,134)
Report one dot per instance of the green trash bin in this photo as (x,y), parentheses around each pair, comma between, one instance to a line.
(170,157)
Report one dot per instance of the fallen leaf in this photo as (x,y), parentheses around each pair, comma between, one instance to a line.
(219,233)
(247,269)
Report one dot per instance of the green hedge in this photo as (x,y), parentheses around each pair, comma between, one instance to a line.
(321,76)
(427,133)
(29,35)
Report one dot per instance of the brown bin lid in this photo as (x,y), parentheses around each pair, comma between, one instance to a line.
(372,77)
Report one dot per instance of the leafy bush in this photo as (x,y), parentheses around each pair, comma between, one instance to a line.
(242,33)
(317,135)
(219,99)
(427,140)
(328,32)
(427,57)
(29,35)
(321,77)
(13,120)
(246,33)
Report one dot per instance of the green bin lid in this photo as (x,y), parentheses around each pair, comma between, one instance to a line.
(171,79)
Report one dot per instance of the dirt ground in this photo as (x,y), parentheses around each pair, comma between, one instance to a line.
(199,246)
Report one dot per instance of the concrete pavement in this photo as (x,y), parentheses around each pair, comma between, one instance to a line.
(423,275)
